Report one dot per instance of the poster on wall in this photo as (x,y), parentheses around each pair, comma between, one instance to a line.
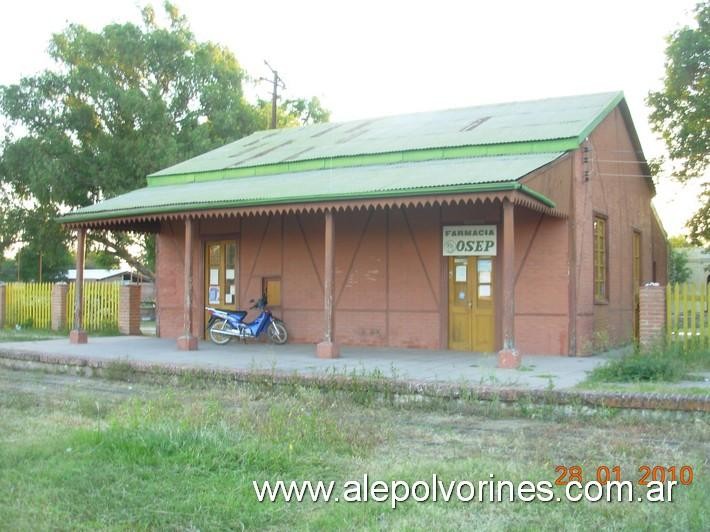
(469,240)
(213,295)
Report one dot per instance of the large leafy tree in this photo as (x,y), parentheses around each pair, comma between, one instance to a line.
(681,110)
(120,104)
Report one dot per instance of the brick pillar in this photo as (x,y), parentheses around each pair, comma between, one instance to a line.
(652,319)
(2,305)
(129,309)
(59,306)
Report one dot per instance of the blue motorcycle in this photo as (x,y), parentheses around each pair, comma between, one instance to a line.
(224,325)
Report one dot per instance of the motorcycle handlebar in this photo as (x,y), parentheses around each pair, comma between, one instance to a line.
(259,304)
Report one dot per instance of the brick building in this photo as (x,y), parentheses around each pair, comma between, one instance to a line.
(520,228)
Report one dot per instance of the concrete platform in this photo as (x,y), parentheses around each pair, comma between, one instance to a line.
(536,372)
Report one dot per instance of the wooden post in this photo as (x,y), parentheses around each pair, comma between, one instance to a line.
(78,335)
(328,348)
(188,342)
(508,357)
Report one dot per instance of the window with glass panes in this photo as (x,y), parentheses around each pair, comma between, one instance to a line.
(600,259)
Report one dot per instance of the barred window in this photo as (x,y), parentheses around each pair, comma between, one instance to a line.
(600,260)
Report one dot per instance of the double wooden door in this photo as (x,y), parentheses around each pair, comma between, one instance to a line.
(471,304)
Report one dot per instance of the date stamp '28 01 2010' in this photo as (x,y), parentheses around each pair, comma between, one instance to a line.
(604,474)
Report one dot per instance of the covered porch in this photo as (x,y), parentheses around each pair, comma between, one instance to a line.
(377,264)
(414,365)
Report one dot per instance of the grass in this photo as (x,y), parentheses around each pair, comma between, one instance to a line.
(658,364)
(646,387)
(28,335)
(87,454)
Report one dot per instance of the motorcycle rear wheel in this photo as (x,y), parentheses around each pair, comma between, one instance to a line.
(277,332)
(217,337)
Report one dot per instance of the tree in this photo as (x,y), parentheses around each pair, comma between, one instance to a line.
(678,241)
(679,271)
(120,104)
(681,110)
(292,113)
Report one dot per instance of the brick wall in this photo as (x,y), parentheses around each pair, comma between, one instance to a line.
(619,193)
(2,305)
(129,309)
(653,314)
(59,306)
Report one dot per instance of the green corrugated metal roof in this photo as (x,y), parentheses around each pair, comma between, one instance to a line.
(460,150)
(502,128)
(404,179)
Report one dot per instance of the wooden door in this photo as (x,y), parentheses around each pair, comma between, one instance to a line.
(636,281)
(471,304)
(221,275)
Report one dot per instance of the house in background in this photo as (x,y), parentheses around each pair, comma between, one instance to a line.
(125,275)
(699,264)
(521,227)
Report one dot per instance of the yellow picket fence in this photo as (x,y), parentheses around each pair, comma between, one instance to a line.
(687,313)
(28,305)
(100,306)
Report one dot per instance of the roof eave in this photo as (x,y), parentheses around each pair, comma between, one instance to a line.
(465,192)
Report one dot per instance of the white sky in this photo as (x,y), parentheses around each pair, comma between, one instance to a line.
(369,58)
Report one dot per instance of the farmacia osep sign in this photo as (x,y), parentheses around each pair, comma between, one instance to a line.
(469,240)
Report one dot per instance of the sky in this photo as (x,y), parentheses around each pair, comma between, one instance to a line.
(370,58)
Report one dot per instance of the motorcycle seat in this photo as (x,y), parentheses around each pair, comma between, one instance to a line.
(239,314)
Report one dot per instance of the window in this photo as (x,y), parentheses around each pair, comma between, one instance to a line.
(600,260)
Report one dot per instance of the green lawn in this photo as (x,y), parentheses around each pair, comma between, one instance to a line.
(92,454)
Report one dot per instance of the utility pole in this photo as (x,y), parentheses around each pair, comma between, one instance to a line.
(276,82)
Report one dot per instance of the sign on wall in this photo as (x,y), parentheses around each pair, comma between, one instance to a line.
(469,240)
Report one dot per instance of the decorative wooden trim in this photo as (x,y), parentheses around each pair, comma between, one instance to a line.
(147,223)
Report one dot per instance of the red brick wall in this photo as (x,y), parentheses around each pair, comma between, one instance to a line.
(652,320)
(541,302)
(129,309)
(390,280)
(618,192)
(59,306)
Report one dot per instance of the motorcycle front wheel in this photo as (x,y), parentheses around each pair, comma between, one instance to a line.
(277,332)
(218,337)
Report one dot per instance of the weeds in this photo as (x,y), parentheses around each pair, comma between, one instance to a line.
(119,370)
(659,363)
